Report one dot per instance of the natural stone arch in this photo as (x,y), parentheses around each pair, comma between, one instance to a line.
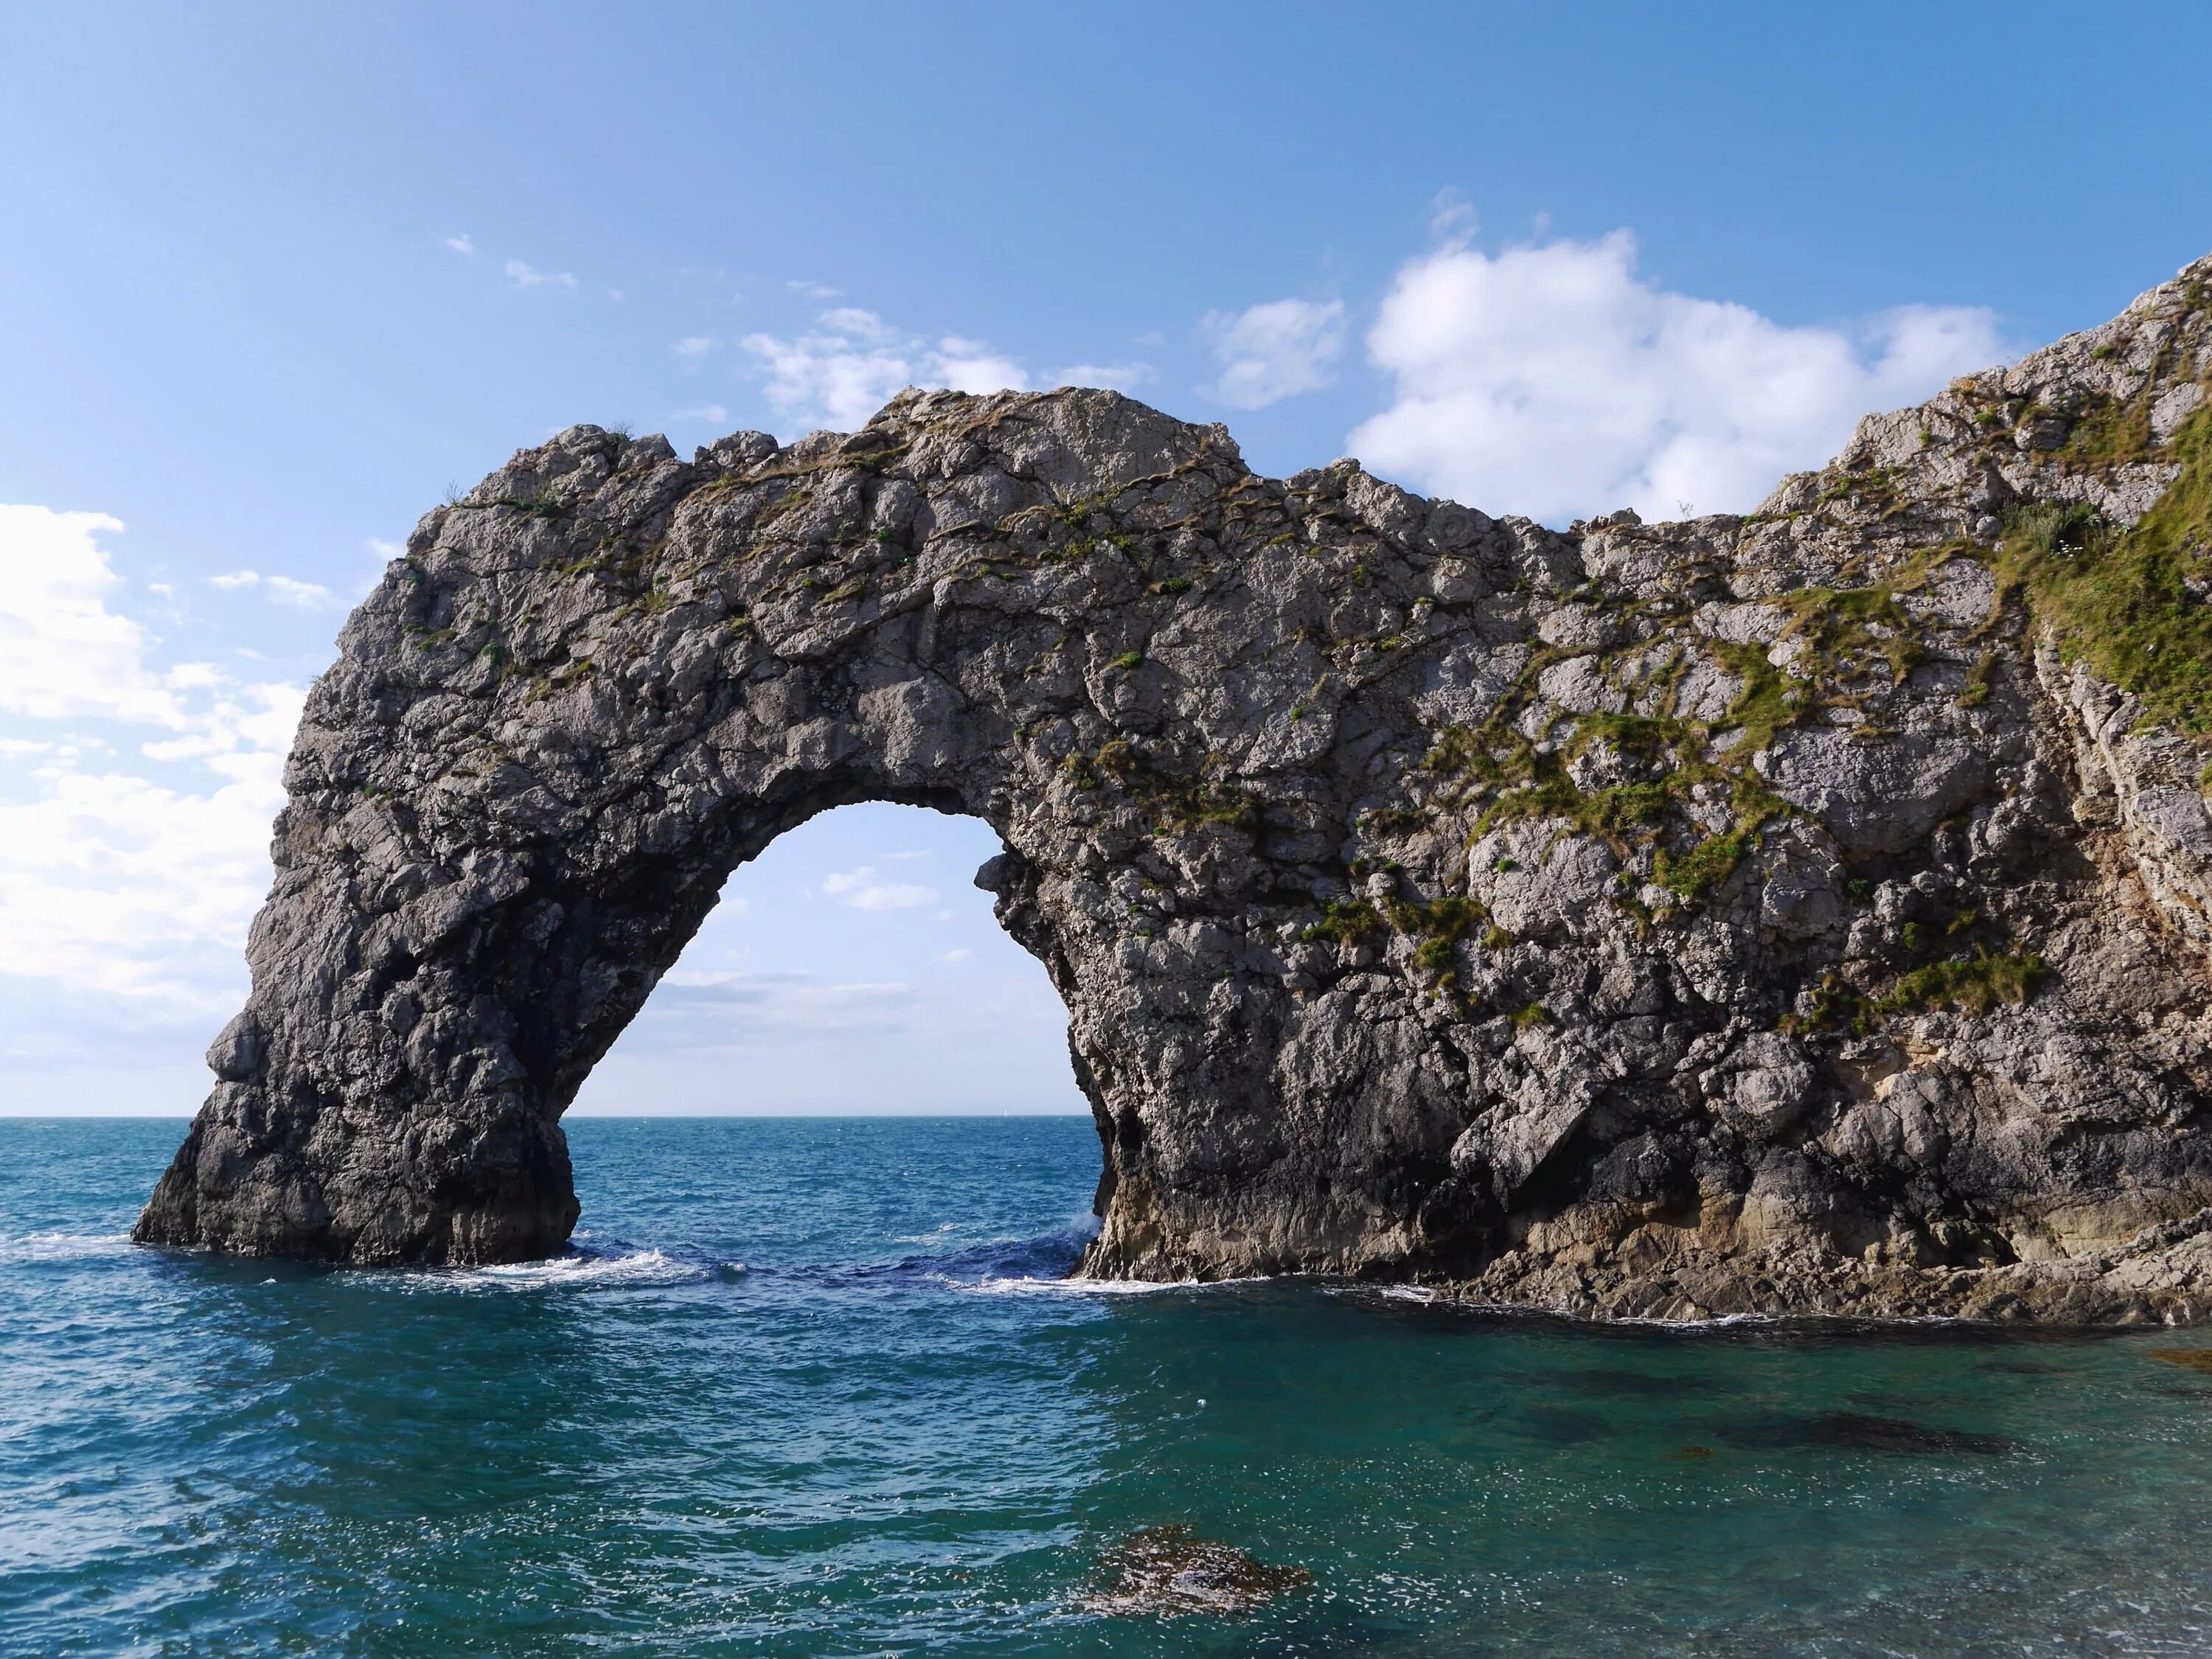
(1636,919)
(607,678)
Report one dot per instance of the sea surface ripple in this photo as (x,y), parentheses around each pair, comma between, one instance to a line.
(819,1387)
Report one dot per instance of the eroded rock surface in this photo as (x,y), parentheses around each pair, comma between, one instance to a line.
(1746,915)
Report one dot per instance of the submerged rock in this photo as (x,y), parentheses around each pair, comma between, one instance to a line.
(2191,1359)
(1170,1572)
(1852,1432)
(1753,915)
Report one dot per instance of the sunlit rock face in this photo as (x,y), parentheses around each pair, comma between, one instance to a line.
(1749,913)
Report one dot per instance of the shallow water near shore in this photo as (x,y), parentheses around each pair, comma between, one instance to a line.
(812,1387)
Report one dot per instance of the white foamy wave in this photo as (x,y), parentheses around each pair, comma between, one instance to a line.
(626,1270)
(934,1236)
(636,1268)
(1093,1286)
(63,1246)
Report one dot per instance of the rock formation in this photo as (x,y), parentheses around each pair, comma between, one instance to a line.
(1780,913)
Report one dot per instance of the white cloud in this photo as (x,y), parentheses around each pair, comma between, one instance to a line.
(383,550)
(1114,377)
(706,414)
(1272,351)
(972,366)
(62,653)
(308,596)
(893,896)
(1551,380)
(114,880)
(814,290)
(852,362)
(287,590)
(523,276)
(692,347)
(462,245)
(860,890)
(847,367)
(863,325)
(958,955)
(739,1005)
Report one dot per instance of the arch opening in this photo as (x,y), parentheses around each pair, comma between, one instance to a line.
(853,968)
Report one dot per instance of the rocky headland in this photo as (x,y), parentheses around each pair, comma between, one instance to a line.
(1803,912)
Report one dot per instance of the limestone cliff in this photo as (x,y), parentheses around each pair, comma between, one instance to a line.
(1779,913)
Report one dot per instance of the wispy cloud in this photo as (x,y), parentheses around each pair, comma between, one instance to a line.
(852,361)
(1452,219)
(1114,377)
(846,366)
(738,1005)
(525,276)
(462,245)
(862,889)
(806,291)
(1272,351)
(283,589)
(692,347)
(308,596)
(705,415)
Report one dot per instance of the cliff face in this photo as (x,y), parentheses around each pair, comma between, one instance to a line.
(1782,913)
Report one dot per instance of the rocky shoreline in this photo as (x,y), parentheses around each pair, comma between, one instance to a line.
(1801,912)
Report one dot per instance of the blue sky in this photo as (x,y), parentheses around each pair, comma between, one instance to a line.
(276,276)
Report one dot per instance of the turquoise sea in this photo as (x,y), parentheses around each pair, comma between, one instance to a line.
(813,1387)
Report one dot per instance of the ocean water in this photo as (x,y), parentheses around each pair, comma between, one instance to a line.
(815,1387)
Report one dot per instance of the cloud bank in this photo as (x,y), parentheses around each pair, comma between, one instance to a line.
(135,801)
(1553,380)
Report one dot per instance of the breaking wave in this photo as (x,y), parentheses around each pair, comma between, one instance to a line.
(63,1246)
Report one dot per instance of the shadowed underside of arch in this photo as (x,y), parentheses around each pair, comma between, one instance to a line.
(1738,914)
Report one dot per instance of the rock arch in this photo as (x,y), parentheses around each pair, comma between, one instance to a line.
(1664,918)
(608,678)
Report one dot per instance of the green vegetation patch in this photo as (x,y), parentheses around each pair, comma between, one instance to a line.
(2109,434)
(1177,804)
(1855,644)
(2132,604)
(1696,872)
(1436,926)
(1972,984)
(1346,922)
